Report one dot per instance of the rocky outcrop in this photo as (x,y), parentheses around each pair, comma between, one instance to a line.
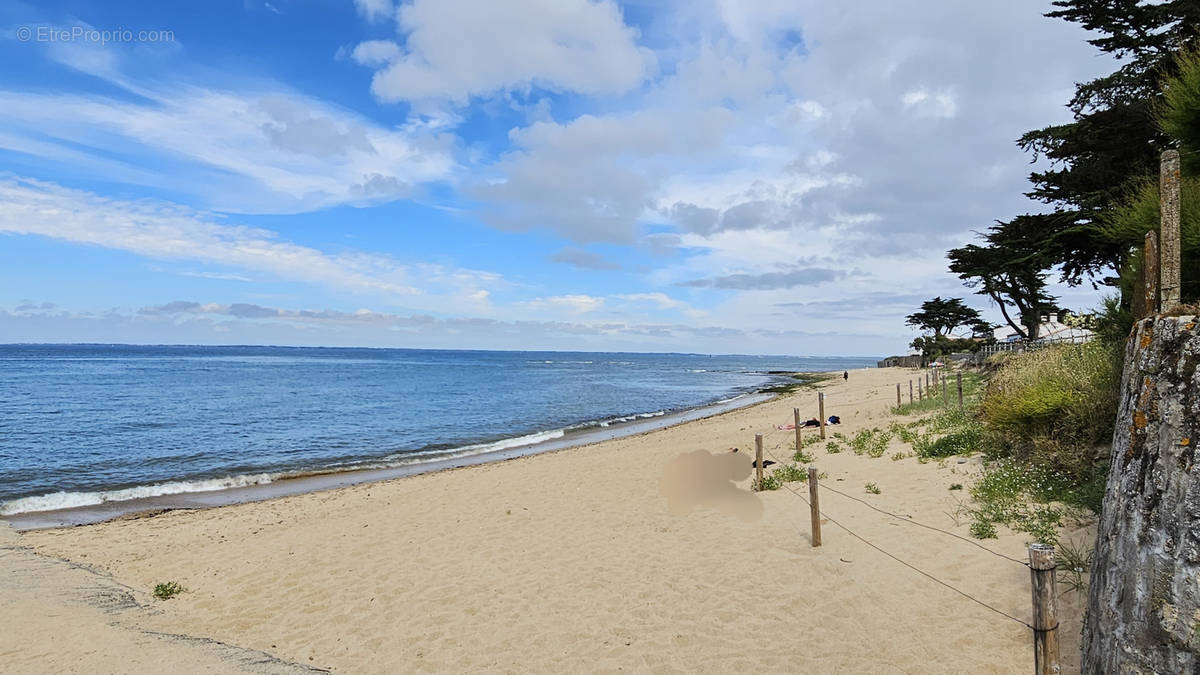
(1144,603)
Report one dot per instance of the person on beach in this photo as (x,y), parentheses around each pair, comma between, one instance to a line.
(846,375)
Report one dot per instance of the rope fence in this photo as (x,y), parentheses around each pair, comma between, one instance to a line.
(1042,574)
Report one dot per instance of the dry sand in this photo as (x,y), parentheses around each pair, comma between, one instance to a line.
(560,562)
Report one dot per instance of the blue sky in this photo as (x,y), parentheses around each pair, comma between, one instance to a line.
(712,176)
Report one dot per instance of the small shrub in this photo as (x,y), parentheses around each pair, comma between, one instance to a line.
(898,456)
(873,488)
(983,529)
(790,473)
(1074,565)
(833,447)
(956,486)
(168,590)
(804,457)
(872,442)
(769,482)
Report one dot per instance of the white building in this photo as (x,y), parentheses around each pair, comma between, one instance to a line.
(1049,329)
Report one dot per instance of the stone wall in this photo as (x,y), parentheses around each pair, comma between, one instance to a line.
(1144,603)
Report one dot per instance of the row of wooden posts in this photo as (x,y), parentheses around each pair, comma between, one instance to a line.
(930,386)
(1041,556)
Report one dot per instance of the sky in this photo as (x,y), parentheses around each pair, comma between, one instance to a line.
(707,176)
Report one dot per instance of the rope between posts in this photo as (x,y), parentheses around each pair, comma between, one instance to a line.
(869,505)
(1023,563)
(893,557)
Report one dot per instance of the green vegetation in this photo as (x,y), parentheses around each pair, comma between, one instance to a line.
(871,442)
(803,457)
(1018,496)
(788,473)
(168,590)
(982,529)
(942,318)
(1051,408)
(872,488)
(1074,565)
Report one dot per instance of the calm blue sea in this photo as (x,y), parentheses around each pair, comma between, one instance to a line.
(83,424)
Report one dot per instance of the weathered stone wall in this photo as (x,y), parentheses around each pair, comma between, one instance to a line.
(1144,603)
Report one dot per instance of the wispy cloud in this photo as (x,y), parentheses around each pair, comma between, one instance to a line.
(267,149)
(165,231)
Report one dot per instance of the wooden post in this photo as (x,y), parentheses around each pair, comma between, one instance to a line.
(927,384)
(1168,238)
(898,404)
(1045,609)
(814,506)
(960,396)
(821,409)
(910,396)
(945,392)
(1149,304)
(758,458)
(799,436)
(920,392)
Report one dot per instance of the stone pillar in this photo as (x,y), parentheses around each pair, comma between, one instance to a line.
(1144,599)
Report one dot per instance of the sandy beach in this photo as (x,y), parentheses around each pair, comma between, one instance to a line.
(560,562)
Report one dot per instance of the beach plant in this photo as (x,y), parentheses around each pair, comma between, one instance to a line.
(872,442)
(1074,565)
(167,590)
(898,456)
(791,473)
(769,482)
(983,529)
(804,457)
(873,488)
(1021,496)
(956,486)
(833,447)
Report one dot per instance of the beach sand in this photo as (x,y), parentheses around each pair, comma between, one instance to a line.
(559,562)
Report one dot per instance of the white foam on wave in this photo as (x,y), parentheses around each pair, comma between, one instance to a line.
(516,442)
(630,418)
(67,500)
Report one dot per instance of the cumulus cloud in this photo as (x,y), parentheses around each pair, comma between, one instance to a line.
(458,49)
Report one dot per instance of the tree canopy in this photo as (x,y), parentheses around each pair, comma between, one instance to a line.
(943,316)
(1114,140)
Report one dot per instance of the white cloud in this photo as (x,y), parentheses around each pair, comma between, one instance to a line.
(458,49)
(574,303)
(376,52)
(930,104)
(164,231)
(662,301)
(269,151)
(375,10)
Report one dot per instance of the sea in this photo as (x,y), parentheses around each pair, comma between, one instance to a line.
(83,425)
